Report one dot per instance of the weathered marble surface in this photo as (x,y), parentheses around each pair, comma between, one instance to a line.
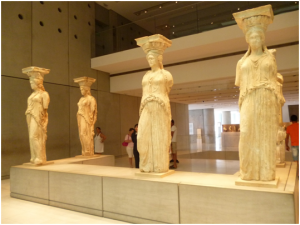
(86,115)
(259,101)
(37,115)
(154,136)
(280,144)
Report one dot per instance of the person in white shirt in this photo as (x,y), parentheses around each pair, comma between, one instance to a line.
(174,144)
(98,141)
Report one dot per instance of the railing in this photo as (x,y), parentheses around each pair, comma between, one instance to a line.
(188,20)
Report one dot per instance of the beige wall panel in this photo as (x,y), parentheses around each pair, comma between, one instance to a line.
(103,81)
(196,117)
(57,146)
(183,142)
(22,181)
(14,132)
(139,99)
(15,43)
(81,49)
(182,119)
(129,115)
(233,206)
(75,95)
(76,189)
(49,47)
(157,201)
(173,110)
(109,119)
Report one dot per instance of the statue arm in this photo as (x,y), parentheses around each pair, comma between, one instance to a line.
(238,74)
(143,97)
(93,108)
(169,79)
(46,100)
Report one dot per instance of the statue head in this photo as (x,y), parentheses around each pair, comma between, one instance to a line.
(36,77)
(36,84)
(255,37)
(254,23)
(155,59)
(154,47)
(85,84)
(85,90)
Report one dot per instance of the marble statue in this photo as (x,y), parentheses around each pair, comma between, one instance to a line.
(256,75)
(86,115)
(37,115)
(154,136)
(280,144)
(281,97)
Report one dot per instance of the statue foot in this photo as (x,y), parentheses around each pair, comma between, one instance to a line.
(38,161)
(31,160)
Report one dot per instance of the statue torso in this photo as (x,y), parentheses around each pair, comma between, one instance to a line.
(86,108)
(35,104)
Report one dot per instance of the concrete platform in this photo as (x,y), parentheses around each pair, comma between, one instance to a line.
(281,165)
(257,183)
(182,197)
(31,164)
(154,175)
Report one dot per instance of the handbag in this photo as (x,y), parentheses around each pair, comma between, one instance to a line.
(124,143)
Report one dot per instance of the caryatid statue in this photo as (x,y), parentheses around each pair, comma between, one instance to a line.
(86,115)
(37,115)
(280,144)
(259,101)
(154,134)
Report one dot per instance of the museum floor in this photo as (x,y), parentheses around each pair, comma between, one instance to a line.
(15,211)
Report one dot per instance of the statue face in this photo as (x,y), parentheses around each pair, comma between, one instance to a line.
(152,60)
(255,40)
(84,91)
(33,85)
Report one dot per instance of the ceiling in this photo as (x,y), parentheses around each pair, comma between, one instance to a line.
(220,94)
(128,9)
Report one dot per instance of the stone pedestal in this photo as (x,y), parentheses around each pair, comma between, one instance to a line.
(153,175)
(34,165)
(257,183)
(280,165)
(182,197)
(87,157)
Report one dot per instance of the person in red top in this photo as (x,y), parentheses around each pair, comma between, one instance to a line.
(293,131)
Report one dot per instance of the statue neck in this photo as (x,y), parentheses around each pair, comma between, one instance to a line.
(256,52)
(155,68)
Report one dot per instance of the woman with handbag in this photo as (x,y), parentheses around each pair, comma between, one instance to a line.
(129,145)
